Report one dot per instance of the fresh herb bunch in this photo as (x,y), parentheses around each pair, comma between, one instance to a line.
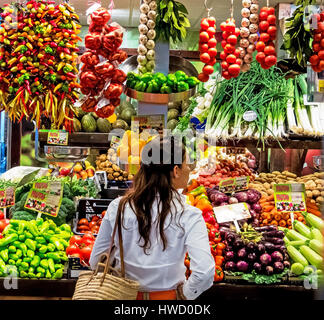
(171,21)
(298,38)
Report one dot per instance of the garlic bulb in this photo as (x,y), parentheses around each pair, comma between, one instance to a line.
(150,65)
(141,60)
(143,39)
(153,5)
(142,69)
(151,24)
(151,34)
(250,48)
(144,8)
(242,52)
(253,37)
(150,44)
(152,15)
(150,55)
(245,32)
(142,28)
(246,67)
(246,3)
(143,18)
(245,12)
(248,58)
(245,22)
(142,50)
(253,28)
(254,8)
(254,18)
(244,43)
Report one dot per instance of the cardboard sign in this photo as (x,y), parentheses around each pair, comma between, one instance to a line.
(232,212)
(234,150)
(45,198)
(234,184)
(7,197)
(290,197)
(58,137)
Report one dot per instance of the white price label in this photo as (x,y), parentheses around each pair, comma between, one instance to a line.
(250,116)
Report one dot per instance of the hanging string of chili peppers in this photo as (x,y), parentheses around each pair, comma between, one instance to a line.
(38,61)
(207,45)
(231,63)
(101,80)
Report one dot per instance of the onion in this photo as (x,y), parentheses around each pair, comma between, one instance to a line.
(151,34)
(143,39)
(251,164)
(143,18)
(144,8)
(245,12)
(253,28)
(245,32)
(256,207)
(254,8)
(143,29)
(245,22)
(232,200)
(244,43)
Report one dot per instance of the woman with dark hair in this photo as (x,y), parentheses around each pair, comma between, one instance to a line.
(158,228)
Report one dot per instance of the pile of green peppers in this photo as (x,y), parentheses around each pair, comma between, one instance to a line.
(159,83)
(34,249)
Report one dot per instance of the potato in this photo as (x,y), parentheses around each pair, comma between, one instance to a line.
(264,194)
(116,174)
(276,172)
(115,168)
(291,175)
(98,163)
(111,151)
(103,157)
(120,178)
(125,174)
(320,199)
(110,171)
(130,177)
(267,185)
(110,177)
(319,181)
(322,193)
(270,192)
(309,194)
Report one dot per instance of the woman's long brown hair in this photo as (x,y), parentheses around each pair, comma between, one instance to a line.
(154,180)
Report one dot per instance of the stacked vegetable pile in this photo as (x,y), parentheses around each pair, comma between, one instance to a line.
(159,83)
(198,198)
(99,78)
(92,226)
(38,56)
(207,47)
(249,28)
(259,250)
(34,249)
(146,53)
(317,59)
(305,245)
(81,247)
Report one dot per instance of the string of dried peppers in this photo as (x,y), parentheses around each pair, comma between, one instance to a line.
(38,54)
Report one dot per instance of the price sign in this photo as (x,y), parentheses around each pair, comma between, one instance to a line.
(232,212)
(234,184)
(290,197)
(234,150)
(250,116)
(92,206)
(58,137)
(7,197)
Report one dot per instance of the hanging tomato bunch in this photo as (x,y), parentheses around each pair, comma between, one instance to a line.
(207,47)
(249,29)
(231,63)
(38,54)
(100,79)
(317,59)
(267,56)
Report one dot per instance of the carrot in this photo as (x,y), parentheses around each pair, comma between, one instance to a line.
(312,205)
(267,208)
(300,218)
(265,221)
(315,212)
(271,197)
(277,216)
(289,227)
(285,216)
(263,215)
(270,216)
(282,223)
(289,222)
(274,222)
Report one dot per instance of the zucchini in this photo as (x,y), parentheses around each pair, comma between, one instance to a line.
(293,235)
(314,221)
(286,240)
(302,229)
(296,256)
(313,258)
(316,245)
(297,243)
(316,234)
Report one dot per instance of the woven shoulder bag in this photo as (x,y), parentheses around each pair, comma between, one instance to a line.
(109,284)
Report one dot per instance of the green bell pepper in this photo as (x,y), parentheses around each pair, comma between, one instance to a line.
(131,84)
(22,226)
(30,254)
(41,270)
(31,270)
(182,86)
(31,244)
(11,238)
(65,227)
(48,274)
(12,249)
(64,235)
(165,89)
(13,256)
(19,253)
(32,228)
(51,266)
(192,81)
(29,235)
(4,255)
(41,240)
(24,266)
(42,255)
(140,86)
(147,77)
(3,267)
(58,274)
(51,247)
(58,266)
(35,262)
(43,249)
(23,274)
(152,87)
(181,76)
(12,262)
(22,237)
(27,259)
(39,222)
(172,81)
(132,76)
(44,264)
(21,246)
(56,256)
(32,275)
(160,78)
(18,262)
(39,275)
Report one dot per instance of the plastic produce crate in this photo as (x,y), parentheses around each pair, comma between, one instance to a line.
(115,189)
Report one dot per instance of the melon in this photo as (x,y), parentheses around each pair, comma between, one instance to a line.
(88,123)
(127,114)
(173,114)
(103,125)
(171,125)
(120,124)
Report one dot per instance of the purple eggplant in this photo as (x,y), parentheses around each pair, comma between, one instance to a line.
(274,234)
(230,237)
(265,259)
(286,256)
(229,255)
(252,257)
(251,246)
(277,256)
(224,231)
(242,253)
(281,248)
(286,264)
(274,240)
(266,228)
(261,248)
(257,267)
(269,270)
(238,243)
(230,266)
(242,266)
(278,267)
(269,246)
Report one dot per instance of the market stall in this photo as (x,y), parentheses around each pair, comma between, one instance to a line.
(96,106)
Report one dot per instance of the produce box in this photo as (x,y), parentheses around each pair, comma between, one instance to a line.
(75,267)
(87,208)
(115,189)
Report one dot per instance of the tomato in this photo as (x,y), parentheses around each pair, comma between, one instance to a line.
(224,65)
(87,242)
(88,236)
(229,48)
(231,59)
(204,24)
(223,55)
(269,50)
(321,55)
(271,10)
(92,224)
(223,26)
(234,69)
(76,255)
(271,19)
(1,236)
(264,25)
(237,53)
(232,40)
(237,32)
(212,43)
(260,46)
(95,229)
(83,228)
(205,57)
(317,37)
(226,75)
(85,253)
(230,27)
(212,52)
(3,224)
(211,31)
(239,62)
(316,47)
(83,221)
(203,77)
(1,215)
(72,249)
(95,218)
(263,16)
(264,37)
(211,21)
(322,43)
(316,68)
(272,30)
(204,48)
(212,62)
(103,213)
(260,57)
(204,37)
(76,240)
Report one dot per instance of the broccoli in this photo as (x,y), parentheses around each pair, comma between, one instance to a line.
(67,191)
(70,208)
(24,215)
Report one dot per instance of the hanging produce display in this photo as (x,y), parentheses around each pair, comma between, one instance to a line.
(249,28)
(101,80)
(146,52)
(171,21)
(298,37)
(207,46)
(317,59)
(38,52)
(267,56)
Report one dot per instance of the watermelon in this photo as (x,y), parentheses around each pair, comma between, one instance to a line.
(103,125)
(88,123)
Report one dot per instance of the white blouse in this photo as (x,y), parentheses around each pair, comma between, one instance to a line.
(161,270)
